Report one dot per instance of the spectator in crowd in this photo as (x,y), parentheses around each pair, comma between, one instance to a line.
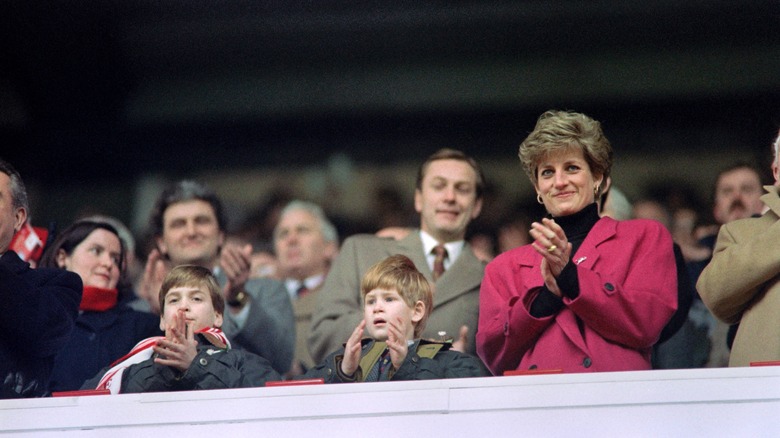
(189,228)
(133,272)
(589,294)
(397,301)
(447,197)
(186,358)
(39,305)
(106,327)
(736,195)
(306,243)
(741,282)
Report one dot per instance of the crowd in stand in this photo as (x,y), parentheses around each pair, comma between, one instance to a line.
(580,280)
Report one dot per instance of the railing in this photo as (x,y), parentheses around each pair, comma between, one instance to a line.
(703,402)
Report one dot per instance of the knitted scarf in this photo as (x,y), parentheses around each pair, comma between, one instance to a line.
(112,379)
(98,299)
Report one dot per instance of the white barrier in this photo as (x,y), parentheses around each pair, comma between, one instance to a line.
(703,402)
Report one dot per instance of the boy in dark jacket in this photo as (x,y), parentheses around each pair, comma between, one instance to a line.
(194,354)
(397,300)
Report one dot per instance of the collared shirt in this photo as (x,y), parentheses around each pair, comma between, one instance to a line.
(310,283)
(453,250)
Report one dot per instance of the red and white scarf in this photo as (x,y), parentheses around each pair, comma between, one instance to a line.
(112,379)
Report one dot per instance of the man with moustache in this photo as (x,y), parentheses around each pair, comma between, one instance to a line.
(741,283)
(702,342)
(189,229)
(448,197)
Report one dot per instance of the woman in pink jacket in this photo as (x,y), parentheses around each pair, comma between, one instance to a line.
(589,293)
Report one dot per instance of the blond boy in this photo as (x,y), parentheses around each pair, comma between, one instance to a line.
(397,300)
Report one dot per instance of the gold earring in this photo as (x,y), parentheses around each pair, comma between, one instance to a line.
(596,190)
(539,198)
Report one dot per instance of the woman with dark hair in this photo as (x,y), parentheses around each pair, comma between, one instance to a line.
(106,327)
(589,293)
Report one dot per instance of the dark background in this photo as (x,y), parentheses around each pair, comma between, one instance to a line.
(96,91)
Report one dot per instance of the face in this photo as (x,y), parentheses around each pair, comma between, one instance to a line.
(382,305)
(11,219)
(301,249)
(447,200)
(565,182)
(191,234)
(737,195)
(96,259)
(197,307)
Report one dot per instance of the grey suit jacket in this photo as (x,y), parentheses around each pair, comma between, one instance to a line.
(339,309)
(270,326)
(742,283)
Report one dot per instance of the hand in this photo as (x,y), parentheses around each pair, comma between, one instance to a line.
(351,360)
(462,343)
(179,347)
(396,343)
(154,273)
(236,263)
(546,235)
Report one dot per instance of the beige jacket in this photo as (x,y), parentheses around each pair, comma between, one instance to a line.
(742,283)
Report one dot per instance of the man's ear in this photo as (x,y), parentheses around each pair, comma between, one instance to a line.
(477,208)
(218,320)
(418,201)
(162,322)
(161,245)
(20,217)
(331,251)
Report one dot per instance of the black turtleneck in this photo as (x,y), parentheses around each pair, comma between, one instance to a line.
(576,227)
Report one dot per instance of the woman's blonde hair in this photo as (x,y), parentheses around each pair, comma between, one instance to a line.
(561,130)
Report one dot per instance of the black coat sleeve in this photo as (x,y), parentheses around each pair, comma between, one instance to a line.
(40,306)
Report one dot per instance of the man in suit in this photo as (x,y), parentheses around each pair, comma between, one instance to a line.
(189,228)
(306,243)
(448,196)
(741,283)
(39,305)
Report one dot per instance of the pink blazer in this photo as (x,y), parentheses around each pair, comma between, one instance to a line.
(628,292)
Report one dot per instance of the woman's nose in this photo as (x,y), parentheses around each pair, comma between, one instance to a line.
(107,260)
(560,179)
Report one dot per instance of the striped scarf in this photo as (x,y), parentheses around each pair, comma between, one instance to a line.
(112,379)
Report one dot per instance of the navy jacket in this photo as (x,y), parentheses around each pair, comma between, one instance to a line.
(99,339)
(39,309)
(212,368)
